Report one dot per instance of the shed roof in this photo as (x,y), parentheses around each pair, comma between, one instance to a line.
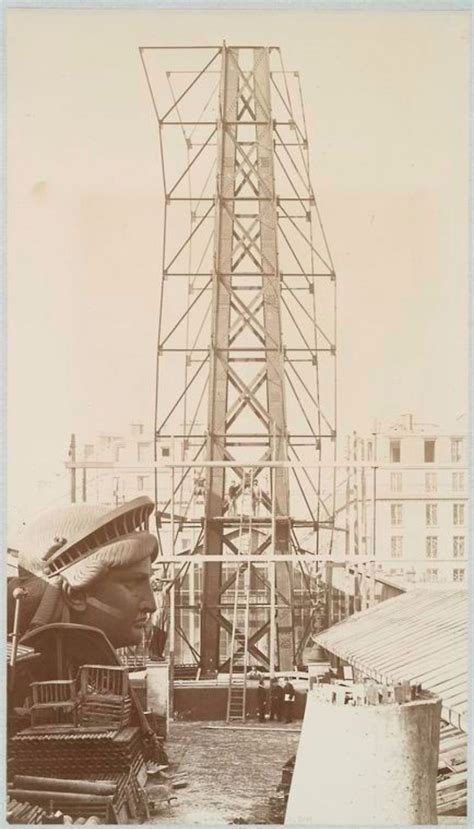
(420,637)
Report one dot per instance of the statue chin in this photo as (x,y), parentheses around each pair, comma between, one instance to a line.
(123,638)
(132,640)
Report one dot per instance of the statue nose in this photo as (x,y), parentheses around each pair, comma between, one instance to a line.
(148,600)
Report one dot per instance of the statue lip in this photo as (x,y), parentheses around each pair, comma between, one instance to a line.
(140,622)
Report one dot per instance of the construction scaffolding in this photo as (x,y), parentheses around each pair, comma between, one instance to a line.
(245,384)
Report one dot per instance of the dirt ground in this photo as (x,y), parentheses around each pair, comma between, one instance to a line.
(231,773)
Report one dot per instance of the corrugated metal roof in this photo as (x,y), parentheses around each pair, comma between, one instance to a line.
(420,637)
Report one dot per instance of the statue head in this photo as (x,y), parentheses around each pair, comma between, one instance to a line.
(96,564)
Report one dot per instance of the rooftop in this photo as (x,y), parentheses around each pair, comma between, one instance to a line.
(420,637)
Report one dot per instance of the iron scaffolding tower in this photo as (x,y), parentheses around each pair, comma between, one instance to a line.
(247,320)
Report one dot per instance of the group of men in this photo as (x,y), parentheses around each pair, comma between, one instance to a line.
(280,695)
(248,489)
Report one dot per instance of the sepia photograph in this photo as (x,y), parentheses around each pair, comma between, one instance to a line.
(237,309)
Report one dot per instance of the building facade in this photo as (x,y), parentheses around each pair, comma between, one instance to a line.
(417,477)
(113,468)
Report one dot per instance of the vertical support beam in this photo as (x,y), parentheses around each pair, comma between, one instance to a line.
(330,592)
(72,455)
(374,535)
(272,572)
(172,621)
(218,379)
(273,344)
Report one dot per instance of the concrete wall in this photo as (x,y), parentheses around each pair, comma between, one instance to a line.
(157,688)
(366,765)
(201,702)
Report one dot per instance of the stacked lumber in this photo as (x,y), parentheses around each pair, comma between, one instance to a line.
(24,813)
(451,788)
(74,753)
(104,696)
(105,711)
(19,811)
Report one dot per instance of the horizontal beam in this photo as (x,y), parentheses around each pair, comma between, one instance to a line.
(314,465)
(309,199)
(238,560)
(219,47)
(150,467)
(305,558)
(254,275)
(251,123)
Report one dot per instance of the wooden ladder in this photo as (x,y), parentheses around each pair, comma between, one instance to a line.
(237,691)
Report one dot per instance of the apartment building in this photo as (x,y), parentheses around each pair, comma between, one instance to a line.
(419,484)
(115,467)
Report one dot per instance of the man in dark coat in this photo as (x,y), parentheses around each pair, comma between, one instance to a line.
(261,701)
(288,700)
(276,700)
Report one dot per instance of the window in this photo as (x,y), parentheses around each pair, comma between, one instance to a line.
(431,512)
(137,429)
(431,482)
(142,482)
(458,546)
(432,546)
(458,574)
(456,449)
(458,481)
(395,451)
(397,546)
(431,574)
(458,514)
(165,452)
(396,481)
(88,451)
(119,450)
(429,451)
(369,450)
(143,452)
(396,514)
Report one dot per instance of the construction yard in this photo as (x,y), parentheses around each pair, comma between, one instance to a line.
(231,771)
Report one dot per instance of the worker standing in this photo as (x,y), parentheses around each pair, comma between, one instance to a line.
(256,498)
(288,700)
(233,492)
(276,700)
(261,701)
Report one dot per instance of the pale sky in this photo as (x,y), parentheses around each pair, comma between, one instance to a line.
(386,99)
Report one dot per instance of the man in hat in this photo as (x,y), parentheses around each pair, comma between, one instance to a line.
(288,700)
(261,701)
(276,699)
(87,565)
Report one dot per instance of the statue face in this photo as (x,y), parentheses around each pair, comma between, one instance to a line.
(119,603)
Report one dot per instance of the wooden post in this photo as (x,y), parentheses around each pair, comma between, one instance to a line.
(272,566)
(72,456)
(172,620)
(374,534)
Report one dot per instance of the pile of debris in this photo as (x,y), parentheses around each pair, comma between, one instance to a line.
(368,692)
(25,813)
(163,780)
(90,768)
